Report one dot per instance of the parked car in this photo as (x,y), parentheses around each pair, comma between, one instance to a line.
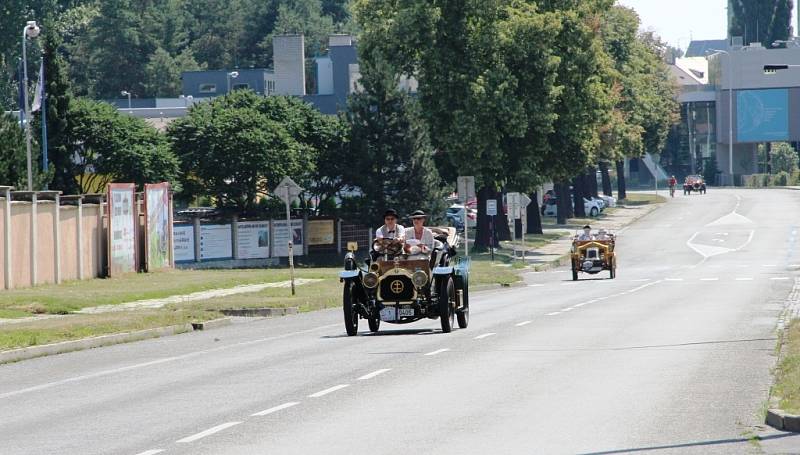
(455,216)
(592,207)
(609,200)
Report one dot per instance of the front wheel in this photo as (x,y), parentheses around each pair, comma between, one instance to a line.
(594,212)
(463,314)
(374,324)
(349,309)
(447,297)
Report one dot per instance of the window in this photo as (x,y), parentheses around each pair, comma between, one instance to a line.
(270,87)
(208,88)
(242,86)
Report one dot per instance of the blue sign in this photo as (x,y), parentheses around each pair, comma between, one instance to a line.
(762,115)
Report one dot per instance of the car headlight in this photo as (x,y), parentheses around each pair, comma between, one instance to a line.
(370,280)
(419,278)
(374,267)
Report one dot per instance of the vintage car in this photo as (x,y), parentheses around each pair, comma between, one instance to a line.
(694,183)
(400,284)
(593,256)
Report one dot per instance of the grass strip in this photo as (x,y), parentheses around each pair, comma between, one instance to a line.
(787,378)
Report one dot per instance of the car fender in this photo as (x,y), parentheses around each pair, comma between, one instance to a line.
(348,274)
(439,271)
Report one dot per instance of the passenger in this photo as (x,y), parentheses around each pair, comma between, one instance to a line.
(602,234)
(587,234)
(419,232)
(390,229)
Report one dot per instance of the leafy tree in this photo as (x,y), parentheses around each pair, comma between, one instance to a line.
(761,21)
(784,158)
(163,72)
(13,161)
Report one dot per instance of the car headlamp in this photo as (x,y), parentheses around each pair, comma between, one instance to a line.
(419,278)
(370,280)
(374,267)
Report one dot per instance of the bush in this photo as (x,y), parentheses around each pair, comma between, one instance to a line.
(781,179)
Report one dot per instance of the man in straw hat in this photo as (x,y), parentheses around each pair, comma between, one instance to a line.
(419,232)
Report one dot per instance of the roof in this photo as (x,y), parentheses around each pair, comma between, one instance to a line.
(683,77)
(700,48)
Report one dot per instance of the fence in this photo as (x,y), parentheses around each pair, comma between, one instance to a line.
(48,238)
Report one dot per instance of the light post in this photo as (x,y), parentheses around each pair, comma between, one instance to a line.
(128,94)
(730,111)
(231,75)
(31,31)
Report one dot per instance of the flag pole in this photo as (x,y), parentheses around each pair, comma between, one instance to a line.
(44,119)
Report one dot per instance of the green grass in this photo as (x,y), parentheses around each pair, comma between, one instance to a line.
(787,381)
(642,199)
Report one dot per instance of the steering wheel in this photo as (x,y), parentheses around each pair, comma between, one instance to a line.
(388,246)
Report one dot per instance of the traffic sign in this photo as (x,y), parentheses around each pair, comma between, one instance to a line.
(524,201)
(491,207)
(466,188)
(287,190)
(514,203)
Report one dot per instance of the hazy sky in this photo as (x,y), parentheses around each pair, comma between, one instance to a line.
(676,20)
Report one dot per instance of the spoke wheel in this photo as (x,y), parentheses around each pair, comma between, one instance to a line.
(447,300)
(349,309)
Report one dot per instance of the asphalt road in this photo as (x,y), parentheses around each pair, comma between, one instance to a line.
(672,356)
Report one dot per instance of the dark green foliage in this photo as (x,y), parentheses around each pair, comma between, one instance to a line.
(13,167)
(761,21)
(710,169)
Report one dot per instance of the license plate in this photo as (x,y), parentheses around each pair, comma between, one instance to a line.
(391,313)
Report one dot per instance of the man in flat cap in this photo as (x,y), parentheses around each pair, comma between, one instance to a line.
(390,228)
(419,232)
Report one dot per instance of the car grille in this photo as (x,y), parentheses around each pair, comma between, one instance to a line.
(395,288)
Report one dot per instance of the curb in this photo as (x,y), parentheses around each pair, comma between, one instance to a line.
(16,355)
(259,312)
(781,420)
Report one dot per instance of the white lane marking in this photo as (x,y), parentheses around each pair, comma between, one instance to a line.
(189,355)
(673,279)
(535,285)
(322,393)
(150,452)
(208,432)
(373,374)
(554,313)
(744,279)
(567,309)
(438,351)
(581,304)
(275,409)
(776,278)
(485,335)
(709,279)
(523,323)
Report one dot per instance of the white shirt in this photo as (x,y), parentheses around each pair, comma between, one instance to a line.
(585,237)
(426,238)
(398,233)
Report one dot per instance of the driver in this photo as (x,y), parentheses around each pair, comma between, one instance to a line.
(587,234)
(390,229)
(419,232)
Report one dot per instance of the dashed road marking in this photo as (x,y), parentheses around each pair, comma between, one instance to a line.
(522,323)
(485,335)
(322,393)
(581,304)
(554,313)
(673,279)
(373,374)
(744,279)
(779,278)
(275,409)
(709,279)
(438,351)
(535,285)
(208,432)
(150,452)
(567,309)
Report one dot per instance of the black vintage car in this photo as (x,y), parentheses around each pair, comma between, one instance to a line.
(399,284)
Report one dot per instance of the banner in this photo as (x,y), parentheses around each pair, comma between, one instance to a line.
(215,242)
(253,240)
(183,243)
(320,232)
(121,228)
(157,225)
(280,238)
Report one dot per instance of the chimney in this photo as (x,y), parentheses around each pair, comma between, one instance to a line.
(289,60)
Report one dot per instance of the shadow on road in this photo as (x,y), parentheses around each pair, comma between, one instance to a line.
(384,333)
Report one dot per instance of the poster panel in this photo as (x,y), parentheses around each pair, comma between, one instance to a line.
(320,232)
(762,115)
(280,238)
(122,228)
(253,240)
(157,225)
(215,242)
(183,243)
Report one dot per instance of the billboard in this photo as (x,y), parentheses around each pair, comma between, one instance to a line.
(158,222)
(183,243)
(320,232)
(253,240)
(762,115)
(280,238)
(216,242)
(121,228)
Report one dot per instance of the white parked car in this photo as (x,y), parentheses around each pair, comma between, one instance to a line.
(592,207)
(610,201)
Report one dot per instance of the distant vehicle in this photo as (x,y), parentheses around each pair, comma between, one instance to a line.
(592,207)
(609,200)
(694,183)
(455,216)
(593,256)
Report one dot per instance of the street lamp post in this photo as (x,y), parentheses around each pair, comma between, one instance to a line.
(231,75)
(730,111)
(128,94)
(31,31)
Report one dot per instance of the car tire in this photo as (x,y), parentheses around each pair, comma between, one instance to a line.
(594,212)
(613,270)
(349,309)
(462,315)
(374,324)
(574,273)
(447,293)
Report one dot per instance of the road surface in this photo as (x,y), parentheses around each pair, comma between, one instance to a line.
(673,356)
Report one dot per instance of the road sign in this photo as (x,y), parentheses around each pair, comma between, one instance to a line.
(491,207)
(287,190)
(514,203)
(466,188)
(524,201)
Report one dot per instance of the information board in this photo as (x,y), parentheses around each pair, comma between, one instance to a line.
(491,207)
(762,115)
(215,242)
(253,240)
(320,232)
(121,228)
(280,238)
(183,243)
(157,225)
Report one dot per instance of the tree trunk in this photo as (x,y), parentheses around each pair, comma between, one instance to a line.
(621,194)
(534,216)
(592,178)
(562,202)
(482,232)
(606,179)
(501,223)
(578,193)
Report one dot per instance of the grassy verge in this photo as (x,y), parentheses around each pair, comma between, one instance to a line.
(642,199)
(787,381)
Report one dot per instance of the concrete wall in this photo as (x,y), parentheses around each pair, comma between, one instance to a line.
(289,60)
(49,246)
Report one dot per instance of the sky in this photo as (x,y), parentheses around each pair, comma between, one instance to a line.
(679,21)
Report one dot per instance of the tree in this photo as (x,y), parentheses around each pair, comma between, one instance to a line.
(13,161)
(163,73)
(761,21)
(784,158)
(391,158)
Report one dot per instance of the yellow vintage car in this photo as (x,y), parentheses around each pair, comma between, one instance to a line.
(594,256)
(398,284)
